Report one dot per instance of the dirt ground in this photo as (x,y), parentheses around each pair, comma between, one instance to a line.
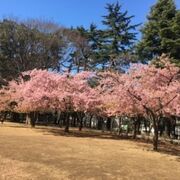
(47,153)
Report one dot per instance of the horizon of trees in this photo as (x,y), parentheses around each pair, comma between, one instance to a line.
(145,92)
(33,43)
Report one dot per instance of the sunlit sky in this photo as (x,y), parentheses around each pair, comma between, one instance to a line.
(72,12)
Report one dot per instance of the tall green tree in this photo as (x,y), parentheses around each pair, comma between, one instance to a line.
(93,48)
(95,40)
(119,35)
(160,34)
(171,38)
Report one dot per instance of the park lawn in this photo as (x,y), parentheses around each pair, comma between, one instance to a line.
(46,153)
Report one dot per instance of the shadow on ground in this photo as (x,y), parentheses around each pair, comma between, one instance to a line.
(164,147)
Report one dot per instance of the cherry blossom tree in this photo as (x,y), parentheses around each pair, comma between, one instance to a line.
(40,90)
(34,91)
(156,90)
(116,101)
(144,90)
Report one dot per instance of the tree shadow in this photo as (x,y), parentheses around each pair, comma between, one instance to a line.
(164,147)
(85,133)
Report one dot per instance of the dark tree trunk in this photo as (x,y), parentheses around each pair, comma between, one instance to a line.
(155,137)
(67,123)
(3,116)
(108,125)
(61,119)
(111,125)
(58,117)
(54,116)
(99,124)
(138,126)
(167,127)
(120,123)
(80,125)
(33,118)
(80,117)
(64,116)
(103,125)
(135,129)
(145,126)
(73,122)
(75,119)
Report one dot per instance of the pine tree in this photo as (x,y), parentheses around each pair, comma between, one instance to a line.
(158,35)
(172,40)
(118,35)
(95,38)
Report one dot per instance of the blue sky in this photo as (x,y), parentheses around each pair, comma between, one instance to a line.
(72,12)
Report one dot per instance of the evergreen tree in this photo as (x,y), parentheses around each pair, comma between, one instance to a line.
(160,33)
(171,41)
(95,39)
(119,35)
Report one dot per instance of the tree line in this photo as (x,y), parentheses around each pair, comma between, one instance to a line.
(25,45)
(144,92)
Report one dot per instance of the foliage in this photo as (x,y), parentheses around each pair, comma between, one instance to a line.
(107,48)
(161,32)
(23,48)
(118,36)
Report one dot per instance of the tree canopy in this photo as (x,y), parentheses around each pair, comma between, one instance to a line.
(160,34)
(24,49)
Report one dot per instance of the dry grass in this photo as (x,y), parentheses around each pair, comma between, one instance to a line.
(47,153)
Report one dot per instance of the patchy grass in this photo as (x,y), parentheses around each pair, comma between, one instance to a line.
(48,153)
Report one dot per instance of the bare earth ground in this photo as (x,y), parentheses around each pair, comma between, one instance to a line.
(46,153)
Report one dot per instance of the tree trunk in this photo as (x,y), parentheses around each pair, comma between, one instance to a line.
(135,129)
(145,126)
(138,125)
(58,117)
(99,124)
(73,121)
(108,124)
(120,123)
(80,125)
(80,117)
(1,118)
(33,116)
(155,137)
(103,125)
(67,124)
(111,125)
(167,127)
